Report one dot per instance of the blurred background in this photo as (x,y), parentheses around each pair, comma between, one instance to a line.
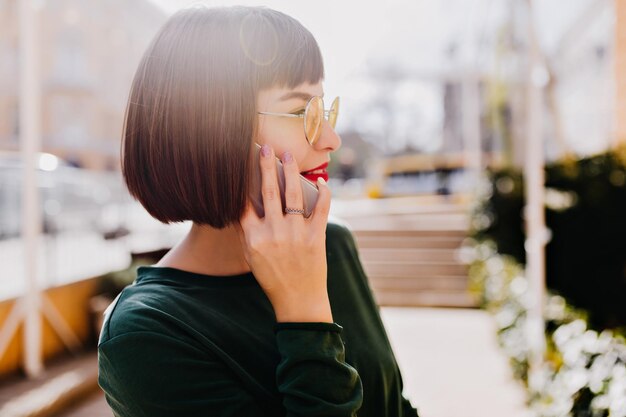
(482,171)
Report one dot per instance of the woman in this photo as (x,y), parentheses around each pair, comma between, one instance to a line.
(247,315)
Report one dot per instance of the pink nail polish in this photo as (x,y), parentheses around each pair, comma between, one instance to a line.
(265,151)
(287,157)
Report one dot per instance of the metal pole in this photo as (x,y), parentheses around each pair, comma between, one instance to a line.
(471,126)
(29,131)
(536,231)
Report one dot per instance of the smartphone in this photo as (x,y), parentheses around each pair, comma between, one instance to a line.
(309,190)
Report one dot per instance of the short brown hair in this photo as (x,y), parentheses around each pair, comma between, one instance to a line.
(191,114)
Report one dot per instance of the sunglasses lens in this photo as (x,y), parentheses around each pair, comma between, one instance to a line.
(313,119)
(333,112)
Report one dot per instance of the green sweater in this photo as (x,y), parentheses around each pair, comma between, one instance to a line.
(182,344)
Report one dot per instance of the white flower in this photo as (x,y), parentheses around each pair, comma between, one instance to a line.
(505,318)
(568,331)
(589,360)
(574,379)
(485,251)
(600,402)
(495,265)
(467,253)
(558,200)
(601,370)
(518,286)
(589,341)
(555,308)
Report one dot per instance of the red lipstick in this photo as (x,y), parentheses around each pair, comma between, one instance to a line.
(315,173)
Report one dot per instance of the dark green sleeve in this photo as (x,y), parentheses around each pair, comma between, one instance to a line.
(313,375)
(407,408)
(344,249)
(154,375)
(146,374)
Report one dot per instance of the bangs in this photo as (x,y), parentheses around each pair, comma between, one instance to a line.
(282,51)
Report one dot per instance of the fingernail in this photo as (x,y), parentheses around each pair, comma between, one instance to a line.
(265,151)
(321,181)
(287,157)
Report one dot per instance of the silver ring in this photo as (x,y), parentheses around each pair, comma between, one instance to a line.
(294,211)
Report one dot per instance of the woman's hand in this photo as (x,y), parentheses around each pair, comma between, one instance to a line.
(286,252)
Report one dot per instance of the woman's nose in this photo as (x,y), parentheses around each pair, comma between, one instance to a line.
(329,140)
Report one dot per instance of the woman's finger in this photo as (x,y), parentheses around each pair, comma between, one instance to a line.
(319,217)
(293,189)
(269,183)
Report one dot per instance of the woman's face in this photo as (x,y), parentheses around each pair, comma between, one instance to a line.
(287,134)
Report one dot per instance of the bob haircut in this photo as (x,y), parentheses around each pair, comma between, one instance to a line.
(191,116)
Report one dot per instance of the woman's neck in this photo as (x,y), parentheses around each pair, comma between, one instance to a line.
(208,251)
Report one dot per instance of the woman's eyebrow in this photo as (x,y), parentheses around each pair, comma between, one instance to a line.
(297,94)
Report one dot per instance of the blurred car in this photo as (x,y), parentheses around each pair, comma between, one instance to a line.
(71,198)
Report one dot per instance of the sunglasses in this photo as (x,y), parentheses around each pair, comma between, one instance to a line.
(313,114)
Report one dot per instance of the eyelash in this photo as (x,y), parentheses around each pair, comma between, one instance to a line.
(301,111)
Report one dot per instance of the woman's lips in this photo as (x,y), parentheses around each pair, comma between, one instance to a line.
(313,177)
(315,173)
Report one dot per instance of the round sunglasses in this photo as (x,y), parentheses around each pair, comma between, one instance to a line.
(313,114)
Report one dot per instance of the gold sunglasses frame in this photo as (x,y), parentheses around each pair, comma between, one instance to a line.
(326,115)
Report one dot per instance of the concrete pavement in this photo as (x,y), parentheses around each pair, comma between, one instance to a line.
(451,363)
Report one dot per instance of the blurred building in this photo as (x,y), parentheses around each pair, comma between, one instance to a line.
(582,61)
(88,53)
(620,71)
(345,164)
